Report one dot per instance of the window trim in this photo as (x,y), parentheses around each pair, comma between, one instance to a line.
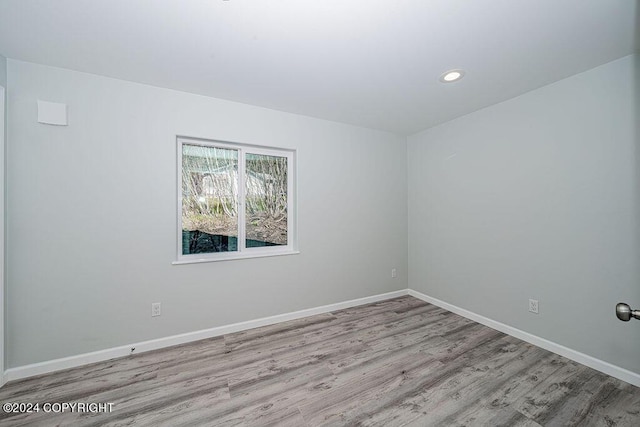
(243,252)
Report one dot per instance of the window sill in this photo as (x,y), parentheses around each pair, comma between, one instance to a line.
(233,258)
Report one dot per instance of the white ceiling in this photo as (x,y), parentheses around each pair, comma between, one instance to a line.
(372,63)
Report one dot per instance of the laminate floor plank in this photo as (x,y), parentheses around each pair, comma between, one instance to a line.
(343,385)
(543,400)
(276,396)
(338,405)
(398,362)
(419,308)
(405,339)
(579,403)
(390,305)
(346,330)
(498,403)
(471,386)
(504,418)
(450,390)
(255,376)
(619,408)
(124,367)
(182,412)
(257,336)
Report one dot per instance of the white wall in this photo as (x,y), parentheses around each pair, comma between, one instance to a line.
(537,197)
(91,216)
(3,86)
(3,71)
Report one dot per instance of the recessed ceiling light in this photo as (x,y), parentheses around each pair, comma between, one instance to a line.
(451,76)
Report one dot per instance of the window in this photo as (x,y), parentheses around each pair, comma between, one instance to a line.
(234,200)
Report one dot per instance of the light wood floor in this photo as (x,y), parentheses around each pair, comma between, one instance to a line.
(400,362)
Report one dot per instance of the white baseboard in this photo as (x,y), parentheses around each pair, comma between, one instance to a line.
(592,362)
(140,347)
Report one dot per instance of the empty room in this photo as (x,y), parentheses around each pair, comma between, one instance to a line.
(320,212)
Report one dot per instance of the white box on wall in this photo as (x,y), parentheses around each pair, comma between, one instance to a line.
(52,113)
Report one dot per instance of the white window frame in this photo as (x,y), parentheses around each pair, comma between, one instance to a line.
(242,251)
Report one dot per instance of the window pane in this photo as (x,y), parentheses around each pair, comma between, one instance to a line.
(209,199)
(266,200)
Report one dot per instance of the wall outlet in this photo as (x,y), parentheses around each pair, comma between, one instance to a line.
(155,309)
(533,306)
(394,273)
